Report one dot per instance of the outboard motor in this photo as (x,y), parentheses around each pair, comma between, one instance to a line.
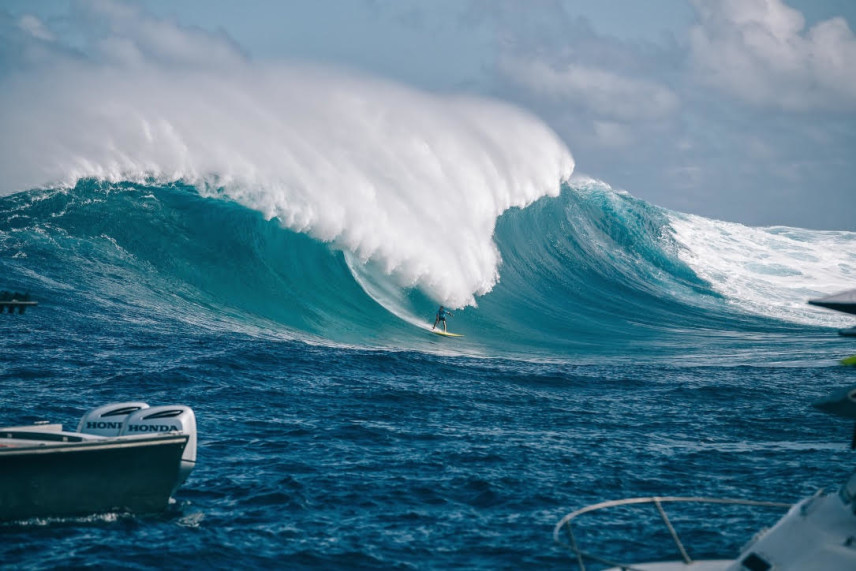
(109,419)
(170,418)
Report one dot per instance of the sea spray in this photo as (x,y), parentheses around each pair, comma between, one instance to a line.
(410,181)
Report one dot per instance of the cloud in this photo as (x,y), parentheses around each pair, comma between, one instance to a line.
(760,52)
(602,92)
(129,36)
(106,32)
(598,91)
(35,28)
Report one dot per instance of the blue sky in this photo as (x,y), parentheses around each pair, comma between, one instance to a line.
(742,110)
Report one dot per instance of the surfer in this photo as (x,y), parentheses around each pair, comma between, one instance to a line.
(441,316)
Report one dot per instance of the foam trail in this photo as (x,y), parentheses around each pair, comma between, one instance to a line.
(410,181)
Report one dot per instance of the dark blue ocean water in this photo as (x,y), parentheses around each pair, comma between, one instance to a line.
(335,434)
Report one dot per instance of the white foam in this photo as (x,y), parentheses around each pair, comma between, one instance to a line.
(770,271)
(408,180)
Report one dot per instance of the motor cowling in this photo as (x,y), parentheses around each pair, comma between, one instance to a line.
(168,418)
(108,420)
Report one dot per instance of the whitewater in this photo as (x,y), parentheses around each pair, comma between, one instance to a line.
(268,243)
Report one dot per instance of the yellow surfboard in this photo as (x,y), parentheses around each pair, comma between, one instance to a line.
(445,333)
(851,360)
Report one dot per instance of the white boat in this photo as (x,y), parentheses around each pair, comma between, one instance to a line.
(844,301)
(818,533)
(123,457)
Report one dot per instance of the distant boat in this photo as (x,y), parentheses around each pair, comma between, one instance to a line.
(123,457)
(844,301)
(11,301)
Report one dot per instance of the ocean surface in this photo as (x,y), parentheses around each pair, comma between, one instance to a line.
(611,349)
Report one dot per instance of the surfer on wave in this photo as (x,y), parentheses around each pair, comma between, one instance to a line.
(441,316)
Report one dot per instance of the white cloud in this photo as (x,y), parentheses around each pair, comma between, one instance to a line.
(125,34)
(35,28)
(760,51)
(607,94)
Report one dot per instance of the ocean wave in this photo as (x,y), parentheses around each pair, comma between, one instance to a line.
(591,271)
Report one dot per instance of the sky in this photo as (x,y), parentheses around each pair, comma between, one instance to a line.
(739,110)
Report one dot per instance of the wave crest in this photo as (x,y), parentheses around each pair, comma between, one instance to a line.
(411,181)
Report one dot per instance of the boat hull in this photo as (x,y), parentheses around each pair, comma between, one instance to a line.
(67,479)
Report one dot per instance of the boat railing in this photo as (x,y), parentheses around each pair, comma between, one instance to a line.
(564,526)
